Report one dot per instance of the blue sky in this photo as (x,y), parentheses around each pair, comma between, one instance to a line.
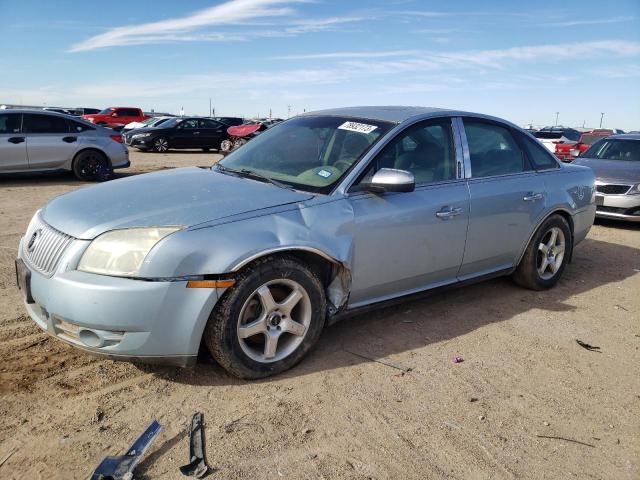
(522,61)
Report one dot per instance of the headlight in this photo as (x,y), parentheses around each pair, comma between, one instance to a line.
(635,190)
(121,252)
(141,135)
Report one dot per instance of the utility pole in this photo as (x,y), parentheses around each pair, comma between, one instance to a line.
(210,107)
(601,117)
(557,113)
(288,111)
(270,114)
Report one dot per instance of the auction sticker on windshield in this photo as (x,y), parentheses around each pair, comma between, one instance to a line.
(357,127)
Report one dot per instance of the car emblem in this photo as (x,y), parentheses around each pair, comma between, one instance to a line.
(32,241)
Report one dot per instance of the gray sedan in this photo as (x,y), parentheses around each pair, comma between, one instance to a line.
(39,141)
(322,216)
(616,163)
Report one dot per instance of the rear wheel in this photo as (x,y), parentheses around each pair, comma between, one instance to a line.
(91,165)
(268,320)
(160,145)
(546,255)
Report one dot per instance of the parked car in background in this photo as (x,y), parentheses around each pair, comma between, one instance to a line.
(38,141)
(87,111)
(230,121)
(567,152)
(323,216)
(550,136)
(116,116)
(616,163)
(179,132)
(64,111)
(241,134)
(149,122)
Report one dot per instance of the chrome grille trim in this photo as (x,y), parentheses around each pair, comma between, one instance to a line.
(50,244)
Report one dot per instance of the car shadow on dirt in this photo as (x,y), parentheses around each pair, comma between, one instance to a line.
(389,332)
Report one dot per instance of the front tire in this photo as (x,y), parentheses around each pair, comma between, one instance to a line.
(546,255)
(269,320)
(160,145)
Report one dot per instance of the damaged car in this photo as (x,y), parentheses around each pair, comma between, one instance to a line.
(322,216)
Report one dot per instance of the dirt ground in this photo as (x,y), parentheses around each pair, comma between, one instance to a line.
(339,415)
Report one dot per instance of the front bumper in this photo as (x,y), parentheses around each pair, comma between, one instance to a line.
(618,207)
(145,142)
(124,319)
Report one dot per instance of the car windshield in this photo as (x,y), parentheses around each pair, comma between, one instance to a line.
(310,153)
(106,111)
(615,149)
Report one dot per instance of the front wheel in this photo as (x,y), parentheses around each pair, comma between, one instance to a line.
(546,255)
(160,145)
(268,320)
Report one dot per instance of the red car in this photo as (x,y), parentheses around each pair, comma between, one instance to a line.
(567,152)
(116,116)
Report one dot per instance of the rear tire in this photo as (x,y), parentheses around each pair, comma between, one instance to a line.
(546,255)
(268,321)
(91,165)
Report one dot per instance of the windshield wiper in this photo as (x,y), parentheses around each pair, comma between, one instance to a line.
(252,174)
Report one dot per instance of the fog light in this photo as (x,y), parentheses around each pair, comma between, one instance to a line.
(90,339)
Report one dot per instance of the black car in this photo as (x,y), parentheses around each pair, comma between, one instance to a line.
(179,132)
(230,121)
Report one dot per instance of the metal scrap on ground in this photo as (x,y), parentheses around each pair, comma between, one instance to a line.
(197,466)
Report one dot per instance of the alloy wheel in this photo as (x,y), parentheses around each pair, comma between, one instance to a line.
(550,253)
(274,320)
(161,145)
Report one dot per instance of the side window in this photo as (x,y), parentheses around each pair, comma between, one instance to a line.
(189,124)
(35,123)
(492,149)
(80,127)
(209,124)
(9,123)
(539,156)
(425,149)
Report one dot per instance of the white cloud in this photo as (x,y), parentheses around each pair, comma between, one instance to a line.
(597,21)
(228,13)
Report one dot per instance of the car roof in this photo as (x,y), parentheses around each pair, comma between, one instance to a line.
(626,136)
(399,114)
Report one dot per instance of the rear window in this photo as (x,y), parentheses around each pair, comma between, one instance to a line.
(539,156)
(80,127)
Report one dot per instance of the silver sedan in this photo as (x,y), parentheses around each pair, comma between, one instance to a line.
(322,216)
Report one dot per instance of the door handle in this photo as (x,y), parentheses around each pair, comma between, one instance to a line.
(448,212)
(16,140)
(196,133)
(532,197)
(69,139)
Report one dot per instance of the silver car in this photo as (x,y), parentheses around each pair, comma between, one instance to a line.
(324,215)
(616,163)
(38,141)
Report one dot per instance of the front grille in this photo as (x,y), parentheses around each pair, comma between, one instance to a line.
(43,246)
(603,209)
(613,189)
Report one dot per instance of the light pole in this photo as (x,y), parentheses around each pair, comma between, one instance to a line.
(601,117)
(288,111)
(557,113)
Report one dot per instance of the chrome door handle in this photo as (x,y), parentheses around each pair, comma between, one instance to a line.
(447,213)
(196,133)
(532,197)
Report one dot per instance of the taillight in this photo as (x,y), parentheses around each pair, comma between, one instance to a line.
(116,138)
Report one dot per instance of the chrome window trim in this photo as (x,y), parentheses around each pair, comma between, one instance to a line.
(466,157)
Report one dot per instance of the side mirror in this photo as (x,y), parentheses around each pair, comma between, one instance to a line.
(391,180)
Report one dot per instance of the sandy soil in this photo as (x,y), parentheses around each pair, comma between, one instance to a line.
(338,415)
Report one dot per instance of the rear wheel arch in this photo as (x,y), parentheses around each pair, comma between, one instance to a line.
(558,211)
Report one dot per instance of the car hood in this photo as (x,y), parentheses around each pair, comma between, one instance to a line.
(612,171)
(185,197)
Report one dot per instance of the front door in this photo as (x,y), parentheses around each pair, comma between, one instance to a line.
(187,134)
(50,143)
(407,242)
(507,199)
(13,144)
(212,133)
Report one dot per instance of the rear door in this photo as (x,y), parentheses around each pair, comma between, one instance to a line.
(50,143)
(507,198)
(13,145)
(212,133)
